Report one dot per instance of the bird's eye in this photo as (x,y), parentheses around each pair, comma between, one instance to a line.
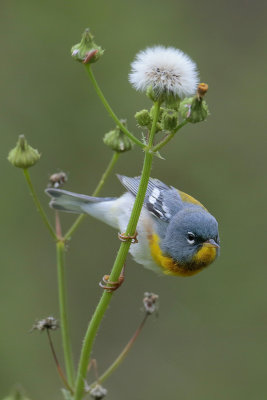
(190,238)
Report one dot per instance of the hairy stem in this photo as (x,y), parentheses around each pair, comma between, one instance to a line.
(105,175)
(118,264)
(63,313)
(109,109)
(38,204)
(169,137)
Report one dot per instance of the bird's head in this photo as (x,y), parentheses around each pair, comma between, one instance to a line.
(192,239)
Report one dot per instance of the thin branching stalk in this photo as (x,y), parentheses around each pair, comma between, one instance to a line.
(109,109)
(118,264)
(63,313)
(60,372)
(38,204)
(166,140)
(122,355)
(105,175)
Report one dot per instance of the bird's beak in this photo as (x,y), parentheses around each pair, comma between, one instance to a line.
(211,243)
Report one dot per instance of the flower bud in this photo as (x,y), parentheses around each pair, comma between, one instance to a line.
(87,51)
(194,109)
(23,155)
(150,92)
(169,120)
(202,89)
(172,101)
(143,118)
(117,140)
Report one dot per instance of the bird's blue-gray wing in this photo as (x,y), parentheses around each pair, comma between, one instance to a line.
(161,200)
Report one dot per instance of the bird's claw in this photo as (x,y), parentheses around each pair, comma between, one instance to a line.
(128,238)
(110,286)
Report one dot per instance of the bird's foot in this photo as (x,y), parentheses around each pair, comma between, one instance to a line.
(128,238)
(110,286)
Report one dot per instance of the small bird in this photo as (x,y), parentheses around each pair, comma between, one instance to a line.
(176,234)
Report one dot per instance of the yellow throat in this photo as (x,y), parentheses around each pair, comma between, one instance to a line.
(205,256)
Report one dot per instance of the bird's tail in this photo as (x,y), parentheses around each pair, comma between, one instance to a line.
(72,202)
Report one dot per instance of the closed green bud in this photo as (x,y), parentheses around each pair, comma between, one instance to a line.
(155,95)
(172,102)
(143,118)
(151,94)
(169,120)
(87,51)
(23,155)
(194,109)
(117,140)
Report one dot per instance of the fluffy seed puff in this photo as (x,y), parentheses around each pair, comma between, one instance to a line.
(166,69)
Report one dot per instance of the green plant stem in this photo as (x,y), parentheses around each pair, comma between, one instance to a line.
(105,175)
(118,264)
(38,204)
(63,313)
(109,109)
(122,355)
(169,137)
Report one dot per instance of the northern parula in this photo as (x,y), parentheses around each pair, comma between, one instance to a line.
(176,233)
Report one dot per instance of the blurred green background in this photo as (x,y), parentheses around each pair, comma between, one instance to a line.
(209,341)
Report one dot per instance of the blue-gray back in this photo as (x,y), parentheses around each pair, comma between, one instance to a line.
(161,200)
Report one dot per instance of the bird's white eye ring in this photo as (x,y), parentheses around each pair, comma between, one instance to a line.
(190,238)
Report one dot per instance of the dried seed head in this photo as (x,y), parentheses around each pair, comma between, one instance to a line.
(58,179)
(98,392)
(49,323)
(150,302)
(164,71)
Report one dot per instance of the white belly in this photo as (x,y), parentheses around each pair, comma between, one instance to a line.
(117,213)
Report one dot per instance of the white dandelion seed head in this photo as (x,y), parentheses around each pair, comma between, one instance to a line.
(166,70)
